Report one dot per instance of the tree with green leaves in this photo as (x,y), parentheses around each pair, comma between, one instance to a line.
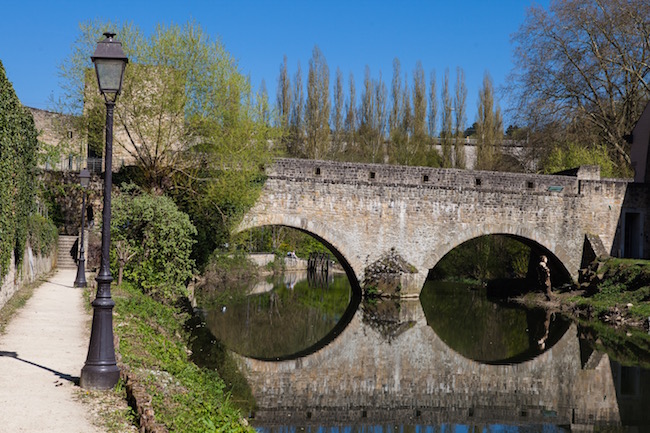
(284,96)
(369,128)
(187,118)
(398,136)
(380,120)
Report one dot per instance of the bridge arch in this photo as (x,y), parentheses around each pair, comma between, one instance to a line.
(325,234)
(558,256)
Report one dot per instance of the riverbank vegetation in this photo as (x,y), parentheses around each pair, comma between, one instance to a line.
(155,341)
(611,307)
(155,323)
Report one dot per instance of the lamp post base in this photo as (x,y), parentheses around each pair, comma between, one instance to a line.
(80,280)
(100,370)
(100,377)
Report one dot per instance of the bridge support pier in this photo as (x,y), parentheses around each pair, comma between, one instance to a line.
(411,284)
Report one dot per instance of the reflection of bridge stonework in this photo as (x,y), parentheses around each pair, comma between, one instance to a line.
(415,376)
(365,210)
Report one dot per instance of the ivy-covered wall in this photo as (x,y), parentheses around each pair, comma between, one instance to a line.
(18,148)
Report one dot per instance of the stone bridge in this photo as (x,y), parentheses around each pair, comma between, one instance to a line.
(364,375)
(364,211)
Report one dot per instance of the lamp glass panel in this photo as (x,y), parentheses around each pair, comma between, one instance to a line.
(109,74)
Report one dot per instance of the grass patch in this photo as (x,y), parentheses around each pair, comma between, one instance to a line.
(110,409)
(153,343)
(622,282)
(612,312)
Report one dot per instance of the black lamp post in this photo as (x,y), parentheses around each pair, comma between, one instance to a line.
(80,280)
(101,370)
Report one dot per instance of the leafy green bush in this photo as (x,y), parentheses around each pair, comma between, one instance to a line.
(573,155)
(43,234)
(151,242)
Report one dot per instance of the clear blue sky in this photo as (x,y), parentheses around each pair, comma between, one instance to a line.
(472,34)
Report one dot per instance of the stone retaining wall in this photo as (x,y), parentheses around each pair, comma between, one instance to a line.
(32,267)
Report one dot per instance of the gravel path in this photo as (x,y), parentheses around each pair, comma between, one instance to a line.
(41,356)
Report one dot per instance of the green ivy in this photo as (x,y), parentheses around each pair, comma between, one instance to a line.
(43,234)
(18,152)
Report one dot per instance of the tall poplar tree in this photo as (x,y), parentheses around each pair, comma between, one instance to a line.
(317,109)
(284,96)
(489,127)
(419,103)
(446,133)
(398,136)
(460,98)
(263,109)
(433,105)
(369,118)
(337,117)
(380,120)
(296,125)
(350,125)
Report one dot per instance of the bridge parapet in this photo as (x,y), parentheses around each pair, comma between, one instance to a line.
(427,177)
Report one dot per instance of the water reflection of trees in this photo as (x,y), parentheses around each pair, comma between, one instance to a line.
(283,321)
(485,258)
(479,329)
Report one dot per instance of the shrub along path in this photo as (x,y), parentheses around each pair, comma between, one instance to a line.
(41,355)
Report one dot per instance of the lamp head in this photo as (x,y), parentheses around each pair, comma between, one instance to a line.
(84,178)
(110,63)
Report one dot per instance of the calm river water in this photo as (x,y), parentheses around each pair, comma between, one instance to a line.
(319,360)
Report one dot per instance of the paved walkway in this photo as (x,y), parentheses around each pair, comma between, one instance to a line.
(41,356)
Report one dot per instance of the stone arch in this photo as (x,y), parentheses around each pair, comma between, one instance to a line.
(525,235)
(321,232)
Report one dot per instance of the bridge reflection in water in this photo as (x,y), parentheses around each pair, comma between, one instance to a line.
(388,366)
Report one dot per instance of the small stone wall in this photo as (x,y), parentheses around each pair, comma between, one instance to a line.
(261,259)
(32,267)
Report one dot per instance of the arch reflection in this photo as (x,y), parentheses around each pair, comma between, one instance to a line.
(289,317)
(483,330)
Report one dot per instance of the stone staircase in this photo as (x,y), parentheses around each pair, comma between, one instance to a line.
(64,259)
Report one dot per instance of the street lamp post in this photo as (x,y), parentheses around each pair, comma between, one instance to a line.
(101,370)
(80,280)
